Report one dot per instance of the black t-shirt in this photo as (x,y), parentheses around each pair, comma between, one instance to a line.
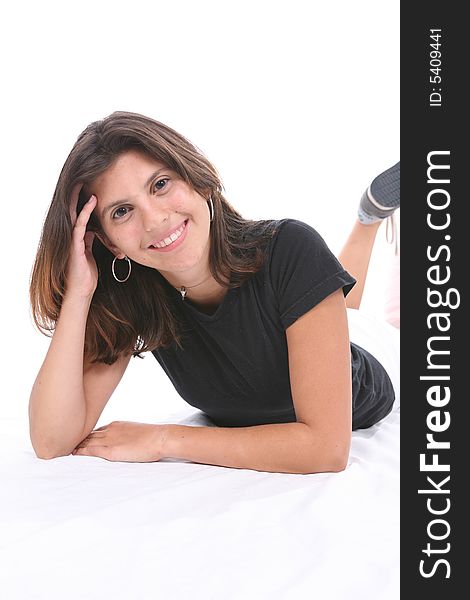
(233,364)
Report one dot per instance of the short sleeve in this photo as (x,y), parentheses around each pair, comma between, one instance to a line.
(303,271)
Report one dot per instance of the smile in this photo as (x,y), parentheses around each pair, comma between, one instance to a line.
(172,241)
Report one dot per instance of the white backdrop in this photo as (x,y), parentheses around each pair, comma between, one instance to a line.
(296,103)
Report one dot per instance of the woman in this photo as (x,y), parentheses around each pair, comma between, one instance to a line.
(140,251)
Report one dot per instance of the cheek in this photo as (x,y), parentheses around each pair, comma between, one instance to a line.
(180,204)
(123,237)
(126,236)
(187,201)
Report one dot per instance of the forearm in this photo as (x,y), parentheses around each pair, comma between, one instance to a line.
(57,408)
(277,448)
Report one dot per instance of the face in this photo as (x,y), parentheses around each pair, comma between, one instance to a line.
(148,213)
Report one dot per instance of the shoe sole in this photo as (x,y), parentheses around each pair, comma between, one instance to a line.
(384,191)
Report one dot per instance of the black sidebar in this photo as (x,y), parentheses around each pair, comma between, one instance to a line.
(435,317)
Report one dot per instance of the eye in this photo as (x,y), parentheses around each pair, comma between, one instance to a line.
(160,184)
(120,212)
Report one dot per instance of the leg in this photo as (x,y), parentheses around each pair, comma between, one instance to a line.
(355,258)
(378,202)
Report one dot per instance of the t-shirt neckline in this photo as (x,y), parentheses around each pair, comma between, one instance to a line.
(227,302)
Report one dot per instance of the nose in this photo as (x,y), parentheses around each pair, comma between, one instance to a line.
(153,214)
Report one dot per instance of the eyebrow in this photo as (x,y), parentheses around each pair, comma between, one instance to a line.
(107,208)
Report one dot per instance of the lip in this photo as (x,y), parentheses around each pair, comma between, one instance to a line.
(176,243)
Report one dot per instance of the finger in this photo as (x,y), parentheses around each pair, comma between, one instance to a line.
(89,237)
(86,211)
(98,451)
(90,448)
(74,201)
(91,437)
(79,229)
(86,451)
(86,445)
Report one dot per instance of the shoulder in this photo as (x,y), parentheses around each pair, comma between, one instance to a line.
(295,241)
(292,232)
(301,270)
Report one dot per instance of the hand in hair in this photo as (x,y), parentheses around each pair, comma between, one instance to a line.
(82,272)
(124,441)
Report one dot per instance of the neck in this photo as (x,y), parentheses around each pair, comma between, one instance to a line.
(195,285)
(201,287)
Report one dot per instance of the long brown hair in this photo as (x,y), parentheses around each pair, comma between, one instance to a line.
(135,316)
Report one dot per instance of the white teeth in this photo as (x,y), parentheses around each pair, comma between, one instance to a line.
(169,240)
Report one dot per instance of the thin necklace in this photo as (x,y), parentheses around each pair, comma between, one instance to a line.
(183,289)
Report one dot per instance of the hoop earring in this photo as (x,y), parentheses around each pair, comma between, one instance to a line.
(211,209)
(128,274)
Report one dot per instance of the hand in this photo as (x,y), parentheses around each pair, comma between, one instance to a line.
(82,272)
(124,441)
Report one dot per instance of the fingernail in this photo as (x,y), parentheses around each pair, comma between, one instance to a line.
(92,197)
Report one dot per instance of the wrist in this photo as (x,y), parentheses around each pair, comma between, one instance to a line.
(76,302)
(165,435)
(170,441)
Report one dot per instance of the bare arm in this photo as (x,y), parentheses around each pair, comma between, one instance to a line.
(57,409)
(320,373)
(69,394)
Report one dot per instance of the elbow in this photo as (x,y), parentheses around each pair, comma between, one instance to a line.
(339,457)
(44,456)
(331,465)
(50,455)
(47,455)
(40,448)
(45,452)
(326,452)
(340,464)
(41,453)
(339,453)
(46,447)
(330,460)
(328,466)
